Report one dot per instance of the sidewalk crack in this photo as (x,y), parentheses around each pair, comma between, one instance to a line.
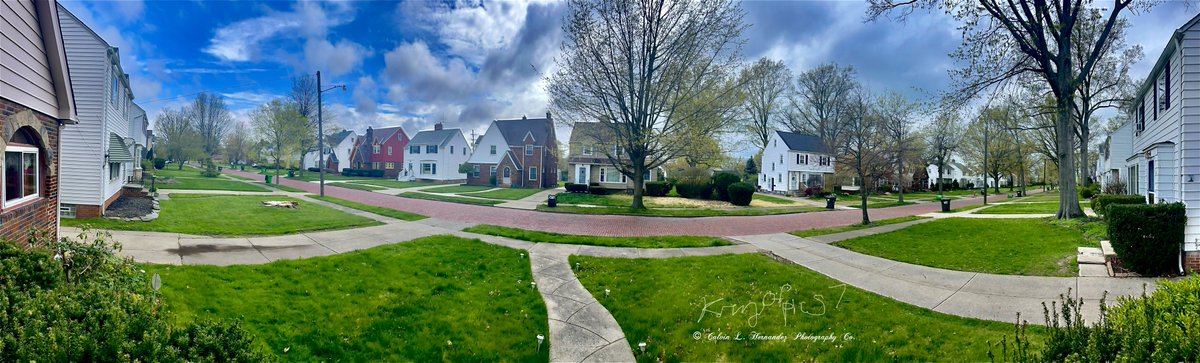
(934,308)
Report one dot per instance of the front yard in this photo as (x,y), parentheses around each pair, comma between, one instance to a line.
(674,206)
(732,308)
(439,298)
(190,179)
(1038,247)
(638,242)
(228,215)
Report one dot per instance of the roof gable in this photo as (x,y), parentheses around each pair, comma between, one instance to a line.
(434,137)
(516,131)
(803,142)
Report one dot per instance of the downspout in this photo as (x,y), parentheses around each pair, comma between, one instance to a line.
(1179,191)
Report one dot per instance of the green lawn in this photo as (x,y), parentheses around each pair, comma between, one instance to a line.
(369,188)
(854,227)
(772,199)
(229,215)
(964,209)
(1021,208)
(875,205)
(1000,246)
(394,184)
(287,188)
(693,212)
(438,299)
(312,177)
(204,183)
(457,189)
(448,198)
(404,216)
(506,194)
(639,242)
(672,305)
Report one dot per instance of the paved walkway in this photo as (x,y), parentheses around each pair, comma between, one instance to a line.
(613,225)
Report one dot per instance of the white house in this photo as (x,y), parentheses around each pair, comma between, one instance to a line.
(1117,148)
(957,170)
(793,162)
(338,149)
(98,155)
(1164,161)
(436,154)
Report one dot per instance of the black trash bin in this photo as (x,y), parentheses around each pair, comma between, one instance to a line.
(829,201)
(946,205)
(552,200)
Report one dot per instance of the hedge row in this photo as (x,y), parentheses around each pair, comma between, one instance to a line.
(1104,200)
(373,173)
(1147,237)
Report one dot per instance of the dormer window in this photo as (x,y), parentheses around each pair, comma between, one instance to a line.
(588,150)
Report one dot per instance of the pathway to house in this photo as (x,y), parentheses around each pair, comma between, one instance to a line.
(614,225)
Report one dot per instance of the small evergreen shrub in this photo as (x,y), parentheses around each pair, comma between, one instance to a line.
(159,164)
(576,188)
(657,188)
(694,189)
(1147,237)
(1089,191)
(1104,200)
(740,193)
(721,182)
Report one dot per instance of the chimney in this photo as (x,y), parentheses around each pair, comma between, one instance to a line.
(437,126)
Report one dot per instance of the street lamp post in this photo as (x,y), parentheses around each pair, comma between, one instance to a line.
(321,130)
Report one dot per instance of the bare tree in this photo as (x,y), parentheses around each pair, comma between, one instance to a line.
(278,126)
(1005,39)
(303,97)
(211,119)
(1108,85)
(819,104)
(764,85)
(989,149)
(237,143)
(942,137)
(176,137)
(862,147)
(896,113)
(635,63)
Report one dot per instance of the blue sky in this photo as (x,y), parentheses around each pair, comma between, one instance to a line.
(415,63)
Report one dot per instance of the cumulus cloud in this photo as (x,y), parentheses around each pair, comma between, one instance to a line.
(365,94)
(261,38)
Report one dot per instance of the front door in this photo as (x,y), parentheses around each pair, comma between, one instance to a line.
(507,176)
(581,176)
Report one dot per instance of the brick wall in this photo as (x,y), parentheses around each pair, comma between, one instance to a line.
(484,175)
(1191,261)
(18,221)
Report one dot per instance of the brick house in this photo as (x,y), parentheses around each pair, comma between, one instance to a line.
(36,102)
(380,149)
(520,153)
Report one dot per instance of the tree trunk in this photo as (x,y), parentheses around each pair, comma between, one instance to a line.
(862,192)
(1083,154)
(941,167)
(900,179)
(1068,200)
(639,188)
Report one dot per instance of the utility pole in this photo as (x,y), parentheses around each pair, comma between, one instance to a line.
(986,134)
(321,131)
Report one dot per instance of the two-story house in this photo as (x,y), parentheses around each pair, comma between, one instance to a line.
(36,102)
(516,153)
(957,170)
(380,149)
(435,155)
(1117,148)
(1164,162)
(591,144)
(794,162)
(339,147)
(99,156)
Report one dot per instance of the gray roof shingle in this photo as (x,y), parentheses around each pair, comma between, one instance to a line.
(803,142)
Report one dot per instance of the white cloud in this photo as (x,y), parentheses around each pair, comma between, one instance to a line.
(337,58)
(258,38)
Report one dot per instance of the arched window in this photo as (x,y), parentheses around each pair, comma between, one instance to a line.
(507,173)
(22,168)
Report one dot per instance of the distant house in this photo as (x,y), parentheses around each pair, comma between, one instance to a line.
(1116,149)
(1164,160)
(517,153)
(436,154)
(339,147)
(794,162)
(590,144)
(36,102)
(102,154)
(957,170)
(380,149)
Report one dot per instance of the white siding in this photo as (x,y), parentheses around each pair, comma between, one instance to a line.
(779,163)
(25,76)
(1185,75)
(482,153)
(82,161)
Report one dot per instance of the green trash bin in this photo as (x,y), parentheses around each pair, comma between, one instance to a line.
(268,178)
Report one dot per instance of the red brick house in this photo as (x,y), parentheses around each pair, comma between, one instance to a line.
(380,149)
(520,153)
(36,101)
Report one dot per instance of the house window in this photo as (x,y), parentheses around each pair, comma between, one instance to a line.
(507,172)
(115,86)
(389,152)
(614,175)
(452,149)
(772,166)
(428,168)
(646,176)
(375,165)
(375,148)
(823,160)
(528,150)
(781,159)
(114,171)
(587,150)
(476,170)
(533,173)
(414,149)
(1155,104)
(22,171)
(1164,87)
(493,150)
(389,165)
(1150,176)
(602,175)
(492,170)
(67,210)
(431,149)
(1141,117)
(623,178)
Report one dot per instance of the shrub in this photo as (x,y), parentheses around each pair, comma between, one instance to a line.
(159,164)
(1147,237)
(314,169)
(1115,187)
(1104,200)
(657,188)
(721,182)
(597,190)
(1160,327)
(954,185)
(576,188)
(1089,191)
(693,189)
(741,193)
(78,301)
